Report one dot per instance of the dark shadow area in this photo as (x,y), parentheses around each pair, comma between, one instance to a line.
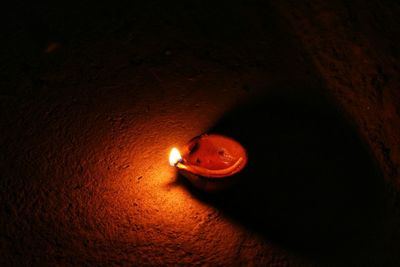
(310,185)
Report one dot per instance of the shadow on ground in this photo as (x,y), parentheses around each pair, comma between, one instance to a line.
(310,184)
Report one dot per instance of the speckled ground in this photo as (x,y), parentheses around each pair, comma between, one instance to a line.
(93,97)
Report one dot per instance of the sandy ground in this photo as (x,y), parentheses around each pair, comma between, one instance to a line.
(94,96)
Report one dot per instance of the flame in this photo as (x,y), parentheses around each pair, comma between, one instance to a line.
(174,156)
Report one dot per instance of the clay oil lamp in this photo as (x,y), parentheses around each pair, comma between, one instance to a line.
(210,162)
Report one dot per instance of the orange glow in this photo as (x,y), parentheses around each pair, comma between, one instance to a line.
(174,156)
(237,166)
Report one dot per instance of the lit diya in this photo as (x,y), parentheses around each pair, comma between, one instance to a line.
(210,161)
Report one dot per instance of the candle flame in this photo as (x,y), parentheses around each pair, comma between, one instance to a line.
(174,156)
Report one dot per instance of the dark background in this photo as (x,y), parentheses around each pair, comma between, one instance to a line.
(94,95)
